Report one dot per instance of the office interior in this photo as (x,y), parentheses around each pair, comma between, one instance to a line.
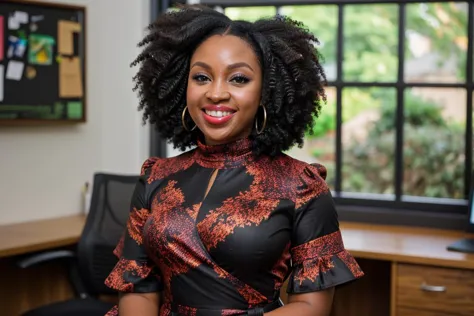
(395,135)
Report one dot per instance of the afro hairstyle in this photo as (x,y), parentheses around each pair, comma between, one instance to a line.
(293,78)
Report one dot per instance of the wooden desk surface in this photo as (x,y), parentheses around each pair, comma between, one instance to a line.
(405,244)
(379,242)
(33,236)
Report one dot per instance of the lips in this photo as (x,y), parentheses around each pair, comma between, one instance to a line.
(217,114)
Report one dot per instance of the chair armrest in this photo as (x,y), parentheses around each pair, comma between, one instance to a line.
(39,258)
(68,255)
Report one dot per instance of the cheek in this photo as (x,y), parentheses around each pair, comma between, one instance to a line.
(249,99)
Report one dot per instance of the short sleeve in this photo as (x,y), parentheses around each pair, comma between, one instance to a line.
(135,271)
(319,259)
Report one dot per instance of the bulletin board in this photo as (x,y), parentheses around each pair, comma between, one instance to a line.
(42,62)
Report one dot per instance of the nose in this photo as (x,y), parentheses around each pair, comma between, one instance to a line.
(217,92)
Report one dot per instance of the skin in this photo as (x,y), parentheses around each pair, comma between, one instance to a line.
(225,71)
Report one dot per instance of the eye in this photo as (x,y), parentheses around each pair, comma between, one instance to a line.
(240,79)
(200,78)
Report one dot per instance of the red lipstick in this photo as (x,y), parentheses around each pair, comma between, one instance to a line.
(212,118)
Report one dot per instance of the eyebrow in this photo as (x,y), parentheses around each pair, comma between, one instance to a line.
(233,66)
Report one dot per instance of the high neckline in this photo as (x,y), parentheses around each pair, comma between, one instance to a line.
(229,155)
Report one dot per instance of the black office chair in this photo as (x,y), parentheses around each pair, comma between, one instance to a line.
(93,259)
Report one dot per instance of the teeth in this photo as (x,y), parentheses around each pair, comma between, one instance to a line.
(218,113)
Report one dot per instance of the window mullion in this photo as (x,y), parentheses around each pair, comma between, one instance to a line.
(399,119)
(469,108)
(339,58)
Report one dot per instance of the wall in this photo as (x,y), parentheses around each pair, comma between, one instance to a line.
(42,169)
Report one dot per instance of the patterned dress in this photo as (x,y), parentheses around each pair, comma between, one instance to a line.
(262,221)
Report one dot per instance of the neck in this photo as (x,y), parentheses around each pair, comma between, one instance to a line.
(228,154)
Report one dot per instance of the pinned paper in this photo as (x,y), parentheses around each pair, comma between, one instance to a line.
(30,72)
(2,72)
(15,70)
(74,110)
(41,49)
(16,19)
(66,30)
(70,80)
(37,18)
(1,38)
(16,47)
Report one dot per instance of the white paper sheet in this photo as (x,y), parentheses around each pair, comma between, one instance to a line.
(15,70)
(21,17)
(16,19)
(37,18)
(2,72)
(13,23)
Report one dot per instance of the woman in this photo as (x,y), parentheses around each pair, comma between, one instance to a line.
(218,229)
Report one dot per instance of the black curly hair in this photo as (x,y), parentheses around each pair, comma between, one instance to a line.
(293,78)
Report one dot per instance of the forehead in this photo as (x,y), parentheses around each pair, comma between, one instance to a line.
(225,47)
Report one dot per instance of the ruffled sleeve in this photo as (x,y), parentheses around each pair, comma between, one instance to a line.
(319,259)
(135,271)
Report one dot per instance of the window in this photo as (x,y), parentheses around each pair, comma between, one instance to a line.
(396,131)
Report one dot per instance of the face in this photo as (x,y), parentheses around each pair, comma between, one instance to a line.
(224,88)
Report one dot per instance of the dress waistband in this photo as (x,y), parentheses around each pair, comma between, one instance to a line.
(180,310)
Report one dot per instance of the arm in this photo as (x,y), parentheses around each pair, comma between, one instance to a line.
(136,276)
(307,304)
(319,260)
(139,304)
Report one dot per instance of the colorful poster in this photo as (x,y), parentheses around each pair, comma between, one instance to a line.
(41,49)
(16,46)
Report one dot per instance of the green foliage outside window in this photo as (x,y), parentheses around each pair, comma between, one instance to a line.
(433,145)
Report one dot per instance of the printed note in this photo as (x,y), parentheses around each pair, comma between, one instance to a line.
(2,72)
(16,19)
(37,18)
(66,30)
(15,70)
(16,46)
(70,80)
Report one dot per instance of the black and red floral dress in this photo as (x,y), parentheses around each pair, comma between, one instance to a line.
(222,253)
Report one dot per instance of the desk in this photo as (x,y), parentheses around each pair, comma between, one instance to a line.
(18,239)
(397,262)
(23,289)
(393,259)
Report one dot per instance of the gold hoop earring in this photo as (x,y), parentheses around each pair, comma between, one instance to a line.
(184,122)
(260,131)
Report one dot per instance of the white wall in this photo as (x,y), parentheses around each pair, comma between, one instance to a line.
(42,169)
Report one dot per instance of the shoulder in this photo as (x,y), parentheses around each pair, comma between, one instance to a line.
(296,180)
(301,169)
(310,181)
(157,168)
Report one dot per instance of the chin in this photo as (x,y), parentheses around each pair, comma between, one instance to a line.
(218,137)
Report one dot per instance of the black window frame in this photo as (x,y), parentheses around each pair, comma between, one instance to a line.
(398,212)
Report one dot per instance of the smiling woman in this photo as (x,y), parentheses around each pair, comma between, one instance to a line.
(219,228)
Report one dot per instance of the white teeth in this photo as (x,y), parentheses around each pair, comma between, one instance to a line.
(218,113)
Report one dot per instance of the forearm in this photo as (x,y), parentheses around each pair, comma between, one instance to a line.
(307,304)
(301,309)
(139,304)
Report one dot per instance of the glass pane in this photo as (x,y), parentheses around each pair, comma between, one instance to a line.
(433,151)
(370,43)
(436,42)
(368,140)
(320,147)
(324,27)
(250,13)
